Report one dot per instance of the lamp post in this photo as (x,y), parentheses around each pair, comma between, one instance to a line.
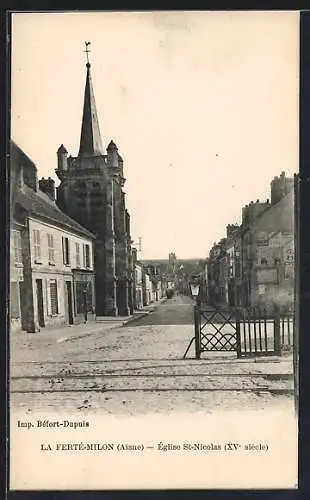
(195,288)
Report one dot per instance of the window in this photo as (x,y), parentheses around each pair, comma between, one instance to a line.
(37,245)
(51,250)
(17,242)
(78,257)
(264,261)
(86,255)
(54,296)
(66,251)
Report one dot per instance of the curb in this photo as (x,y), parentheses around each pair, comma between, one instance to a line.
(142,314)
(133,318)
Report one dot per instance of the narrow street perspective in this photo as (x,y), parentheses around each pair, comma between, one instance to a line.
(139,368)
(153,304)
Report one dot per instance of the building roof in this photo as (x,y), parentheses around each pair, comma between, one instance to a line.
(278,217)
(90,141)
(40,206)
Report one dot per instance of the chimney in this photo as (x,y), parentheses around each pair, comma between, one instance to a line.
(47,186)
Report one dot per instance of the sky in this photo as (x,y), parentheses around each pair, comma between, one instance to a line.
(203,107)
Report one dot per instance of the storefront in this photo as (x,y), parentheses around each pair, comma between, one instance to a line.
(84,295)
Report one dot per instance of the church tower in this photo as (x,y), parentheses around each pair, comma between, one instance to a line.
(90,192)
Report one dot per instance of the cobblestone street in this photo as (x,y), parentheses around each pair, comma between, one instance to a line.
(138,368)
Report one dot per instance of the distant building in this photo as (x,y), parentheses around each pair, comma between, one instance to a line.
(233,281)
(175,271)
(217,273)
(138,286)
(147,288)
(52,273)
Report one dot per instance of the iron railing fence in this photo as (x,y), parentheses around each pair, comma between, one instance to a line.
(248,331)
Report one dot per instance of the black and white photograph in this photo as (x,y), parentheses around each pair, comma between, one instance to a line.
(153,298)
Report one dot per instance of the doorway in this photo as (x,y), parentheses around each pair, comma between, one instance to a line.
(40,303)
(69,298)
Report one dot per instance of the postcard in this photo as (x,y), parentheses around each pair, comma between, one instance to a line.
(153,250)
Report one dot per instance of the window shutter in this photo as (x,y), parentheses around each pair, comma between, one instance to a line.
(84,256)
(59,296)
(54,296)
(39,246)
(68,251)
(47,297)
(63,250)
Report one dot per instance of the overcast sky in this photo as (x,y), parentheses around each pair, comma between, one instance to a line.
(203,108)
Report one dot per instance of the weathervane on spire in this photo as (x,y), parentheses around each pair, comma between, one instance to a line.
(87,50)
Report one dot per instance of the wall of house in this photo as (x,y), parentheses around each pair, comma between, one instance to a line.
(271,233)
(274,270)
(16,278)
(58,263)
(55,271)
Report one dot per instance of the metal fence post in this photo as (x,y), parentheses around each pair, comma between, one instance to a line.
(238,337)
(276,331)
(197,331)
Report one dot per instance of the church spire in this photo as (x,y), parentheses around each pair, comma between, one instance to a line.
(90,142)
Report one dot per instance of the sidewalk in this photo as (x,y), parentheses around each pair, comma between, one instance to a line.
(50,336)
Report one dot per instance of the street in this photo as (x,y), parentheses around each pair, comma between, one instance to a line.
(139,368)
(175,311)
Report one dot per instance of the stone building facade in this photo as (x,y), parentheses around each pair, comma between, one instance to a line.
(52,273)
(254,264)
(16,274)
(91,192)
(263,245)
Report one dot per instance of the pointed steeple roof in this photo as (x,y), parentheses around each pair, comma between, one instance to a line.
(90,142)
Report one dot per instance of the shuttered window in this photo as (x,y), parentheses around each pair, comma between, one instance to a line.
(51,249)
(86,255)
(78,255)
(66,251)
(17,242)
(37,245)
(54,296)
